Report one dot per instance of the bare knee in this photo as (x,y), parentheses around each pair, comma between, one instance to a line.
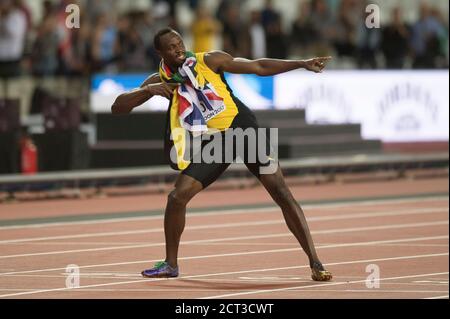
(180,197)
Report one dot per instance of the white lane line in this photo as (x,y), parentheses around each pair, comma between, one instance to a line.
(229,273)
(143,231)
(415,239)
(417,245)
(291,244)
(384,227)
(375,291)
(439,297)
(268,291)
(268,222)
(180,290)
(320,232)
(276,244)
(248,210)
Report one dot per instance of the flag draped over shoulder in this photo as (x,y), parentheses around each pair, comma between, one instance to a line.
(193,104)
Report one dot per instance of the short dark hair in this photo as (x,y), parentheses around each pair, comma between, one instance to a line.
(159,35)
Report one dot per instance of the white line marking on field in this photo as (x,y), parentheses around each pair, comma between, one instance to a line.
(320,232)
(277,244)
(248,210)
(439,297)
(240,254)
(234,273)
(246,293)
(268,222)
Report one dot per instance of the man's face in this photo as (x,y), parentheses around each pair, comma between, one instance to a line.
(172,50)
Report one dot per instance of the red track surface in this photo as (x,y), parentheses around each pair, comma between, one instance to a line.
(240,253)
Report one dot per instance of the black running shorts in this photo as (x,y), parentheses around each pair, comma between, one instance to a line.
(208,172)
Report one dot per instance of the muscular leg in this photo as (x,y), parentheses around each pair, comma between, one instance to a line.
(186,188)
(292,213)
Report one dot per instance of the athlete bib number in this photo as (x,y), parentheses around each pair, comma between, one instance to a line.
(209,114)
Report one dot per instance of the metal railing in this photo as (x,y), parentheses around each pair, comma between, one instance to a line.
(163,174)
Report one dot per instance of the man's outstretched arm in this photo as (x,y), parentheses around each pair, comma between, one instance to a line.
(220,61)
(152,86)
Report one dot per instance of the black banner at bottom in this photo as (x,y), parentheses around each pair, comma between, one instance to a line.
(248,309)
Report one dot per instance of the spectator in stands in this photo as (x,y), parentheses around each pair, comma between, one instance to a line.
(48,8)
(277,45)
(322,25)
(162,15)
(96,8)
(367,43)
(426,35)
(257,36)
(44,56)
(78,62)
(74,50)
(44,53)
(303,33)
(146,28)
(269,14)
(193,4)
(395,41)
(441,60)
(222,10)
(19,4)
(105,44)
(233,35)
(345,28)
(204,30)
(172,4)
(132,47)
(13,27)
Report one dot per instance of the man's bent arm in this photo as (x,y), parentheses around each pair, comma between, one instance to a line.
(126,102)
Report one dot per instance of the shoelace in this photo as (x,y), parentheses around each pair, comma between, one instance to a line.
(160,264)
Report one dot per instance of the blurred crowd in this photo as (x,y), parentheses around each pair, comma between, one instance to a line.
(110,42)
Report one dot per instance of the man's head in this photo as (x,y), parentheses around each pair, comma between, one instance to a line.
(170,47)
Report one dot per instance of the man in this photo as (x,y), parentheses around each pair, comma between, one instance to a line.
(209,68)
(13,27)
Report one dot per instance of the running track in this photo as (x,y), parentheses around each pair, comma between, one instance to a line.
(235,245)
